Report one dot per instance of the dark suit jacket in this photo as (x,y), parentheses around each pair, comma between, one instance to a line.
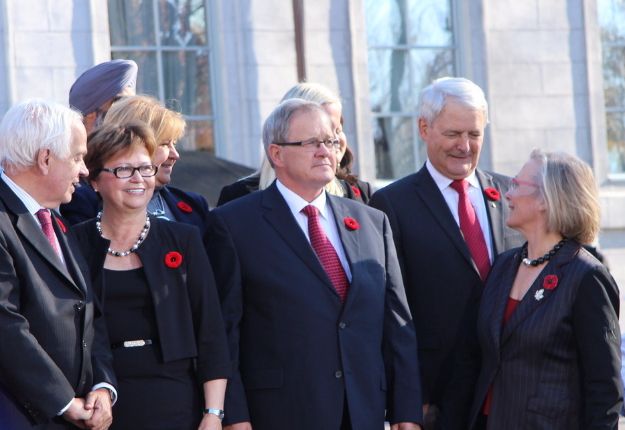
(442,283)
(187,207)
(185,299)
(298,351)
(556,362)
(361,191)
(53,342)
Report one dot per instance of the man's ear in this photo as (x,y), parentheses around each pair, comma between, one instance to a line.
(274,152)
(43,161)
(423,128)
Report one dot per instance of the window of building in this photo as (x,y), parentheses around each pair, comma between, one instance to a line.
(612,23)
(410,43)
(169,40)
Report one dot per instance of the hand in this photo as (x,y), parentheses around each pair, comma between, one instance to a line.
(239,426)
(99,403)
(405,426)
(210,422)
(77,414)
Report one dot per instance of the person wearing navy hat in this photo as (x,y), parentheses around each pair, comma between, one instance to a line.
(96,89)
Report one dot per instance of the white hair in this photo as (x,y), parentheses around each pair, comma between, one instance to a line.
(433,98)
(31,126)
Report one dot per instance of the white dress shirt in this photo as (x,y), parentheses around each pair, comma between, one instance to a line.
(475,195)
(326,219)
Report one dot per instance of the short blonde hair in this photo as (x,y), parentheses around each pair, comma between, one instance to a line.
(165,123)
(570,191)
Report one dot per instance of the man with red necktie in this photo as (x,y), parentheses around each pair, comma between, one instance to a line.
(448,222)
(317,318)
(55,364)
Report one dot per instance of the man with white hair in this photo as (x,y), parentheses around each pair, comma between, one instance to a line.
(448,223)
(55,364)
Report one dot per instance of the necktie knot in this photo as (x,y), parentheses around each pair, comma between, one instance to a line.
(311,211)
(460,185)
(44,217)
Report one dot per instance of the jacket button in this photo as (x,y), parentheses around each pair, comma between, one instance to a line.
(342,324)
(84,344)
(338,374)
(79,306)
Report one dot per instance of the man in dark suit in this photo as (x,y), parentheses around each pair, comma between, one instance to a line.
(55,366)
(448,222)
(317,319)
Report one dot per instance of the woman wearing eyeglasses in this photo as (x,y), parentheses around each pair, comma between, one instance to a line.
(548,321)
(156,288)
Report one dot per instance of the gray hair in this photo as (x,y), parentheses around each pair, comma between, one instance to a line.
(276,126)
(31,126)
(433,98)
(312,92)
(571,195)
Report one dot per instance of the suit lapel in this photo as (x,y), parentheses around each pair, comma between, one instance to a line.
(537,295)
(494,211)
(502,286)
(26,225)
(349,239)
(433,199)
(172,203)
(150,252)
(279,216)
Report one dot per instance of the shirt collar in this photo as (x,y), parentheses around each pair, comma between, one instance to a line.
(296,203)
(31,204)
(442,181)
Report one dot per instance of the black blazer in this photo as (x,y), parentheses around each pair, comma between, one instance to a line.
(556,363)
(442,283)
(53,343)
(299,352)
(185,299)
(187,207)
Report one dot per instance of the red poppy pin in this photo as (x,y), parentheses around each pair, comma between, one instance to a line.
(550,282)
(492,194)
(355,190)
(61,225)
(351,223)
(173,259)
(184,207)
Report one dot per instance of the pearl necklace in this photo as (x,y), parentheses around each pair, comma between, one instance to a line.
(540,260)
(133,248)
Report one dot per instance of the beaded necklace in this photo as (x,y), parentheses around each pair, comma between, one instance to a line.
(540,260)
(133,248)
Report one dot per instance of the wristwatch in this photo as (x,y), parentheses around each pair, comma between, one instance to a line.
(218,412)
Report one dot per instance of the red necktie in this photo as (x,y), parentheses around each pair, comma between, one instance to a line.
(45,219)
(470,227)
(326,252)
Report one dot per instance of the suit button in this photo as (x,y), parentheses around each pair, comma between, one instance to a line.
(79,306)
(342,324)
(84,344)
(338,374)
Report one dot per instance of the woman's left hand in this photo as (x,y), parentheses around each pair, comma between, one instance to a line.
(210,422)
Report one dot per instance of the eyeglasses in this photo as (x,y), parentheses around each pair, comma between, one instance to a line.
(516,183)
(313,144)
(125,172)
